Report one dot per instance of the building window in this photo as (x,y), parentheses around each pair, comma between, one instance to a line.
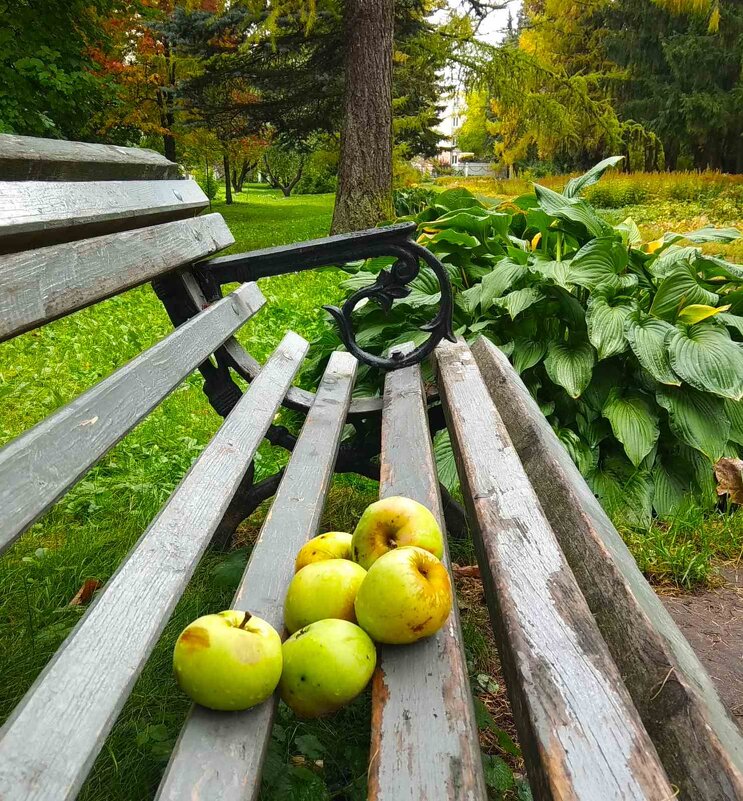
(455,121)
(454,158)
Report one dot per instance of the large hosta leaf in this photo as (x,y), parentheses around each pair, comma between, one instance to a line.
(600,261)
(460,198)
(668,260)
(647,338)
(570,366)
(625,493)
(707,359)
(446,465)
(520,299)
(566,208)
(576,185)
(606,324)
(527,353)
(634,422)
(504,275)
(582,455)
(696,313)
(458,238)
(680,288)
(696,418)
(732,321)
(707,234)
(556,271)
(734,412)
(479,222)
(670,488)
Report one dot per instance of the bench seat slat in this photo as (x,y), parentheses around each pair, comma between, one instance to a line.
(219,756)
(698,742)
(37,286)
(582,737)
(40,465)
(39,213)
(26,158)
(424,739)
(53,736)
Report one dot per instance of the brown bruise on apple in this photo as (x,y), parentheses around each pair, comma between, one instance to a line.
(194,638)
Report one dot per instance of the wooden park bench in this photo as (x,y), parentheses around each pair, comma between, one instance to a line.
(610,701)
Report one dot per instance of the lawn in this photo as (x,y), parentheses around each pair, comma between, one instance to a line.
(88,533)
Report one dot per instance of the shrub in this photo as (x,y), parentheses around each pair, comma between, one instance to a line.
(412,201)
(209,185)
(632,349)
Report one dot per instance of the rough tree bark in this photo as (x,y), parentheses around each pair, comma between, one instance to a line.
(364,196)
(227,183)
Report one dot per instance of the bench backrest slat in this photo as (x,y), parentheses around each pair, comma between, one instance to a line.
(26,158)
(42,464)
(37,286)
(424,739)
(59,727)
(220,754)
(582,738)
(699,743)
(40,213)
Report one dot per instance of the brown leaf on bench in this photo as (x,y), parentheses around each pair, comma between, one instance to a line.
(466,571)
(85,594)
(729,475)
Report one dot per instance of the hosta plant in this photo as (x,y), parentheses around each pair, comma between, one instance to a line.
(631,348)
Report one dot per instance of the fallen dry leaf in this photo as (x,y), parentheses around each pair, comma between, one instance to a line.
(729,475)
(85,593)
(467,571)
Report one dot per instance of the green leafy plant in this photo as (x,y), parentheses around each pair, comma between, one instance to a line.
(632,349)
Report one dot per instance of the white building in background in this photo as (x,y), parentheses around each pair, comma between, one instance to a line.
(451,120)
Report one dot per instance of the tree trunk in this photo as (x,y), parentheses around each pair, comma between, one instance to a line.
(227,184)
(169,105)
(364,196)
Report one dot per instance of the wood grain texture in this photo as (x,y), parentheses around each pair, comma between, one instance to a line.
(582,738)
(424,738)
(300,400)
(42,464)
(53,736)
(40,285)
(28,158)
(40,213)
(698,742)
(218,757)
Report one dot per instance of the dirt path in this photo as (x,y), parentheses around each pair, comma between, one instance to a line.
(712,621)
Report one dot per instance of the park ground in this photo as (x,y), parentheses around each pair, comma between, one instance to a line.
(88,533)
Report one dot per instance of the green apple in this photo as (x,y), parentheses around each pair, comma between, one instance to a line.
(405,596)
(322,590)
(332,545)
(229,661)
(326,665)
(393,523)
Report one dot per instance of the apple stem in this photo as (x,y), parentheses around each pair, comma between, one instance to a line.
(245,620)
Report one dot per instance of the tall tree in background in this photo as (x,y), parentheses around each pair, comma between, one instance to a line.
(364,195)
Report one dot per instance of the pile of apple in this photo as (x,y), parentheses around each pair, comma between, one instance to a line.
(385,583)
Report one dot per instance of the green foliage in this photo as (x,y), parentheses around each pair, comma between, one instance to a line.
(621,342)
(411,201)
(209,184)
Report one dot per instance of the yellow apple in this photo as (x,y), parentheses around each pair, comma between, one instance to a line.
(332,545)
(405,596)
(393,523)
(229,661)
(326,665)
(321,590)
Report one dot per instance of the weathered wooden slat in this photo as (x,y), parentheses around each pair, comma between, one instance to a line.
(40,285)
(698,742)
(28,158)
(40,213)
(41,465)
(296,398)
(53,736)
(424,744)
(582,737)
(218,756)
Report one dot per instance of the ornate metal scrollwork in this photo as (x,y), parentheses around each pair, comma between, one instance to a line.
(392,285)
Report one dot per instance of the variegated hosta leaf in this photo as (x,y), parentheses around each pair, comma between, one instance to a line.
(647,338)
(606,325)
(570,366)
(634,422)
(706,358)
(679,289)
(696,418)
